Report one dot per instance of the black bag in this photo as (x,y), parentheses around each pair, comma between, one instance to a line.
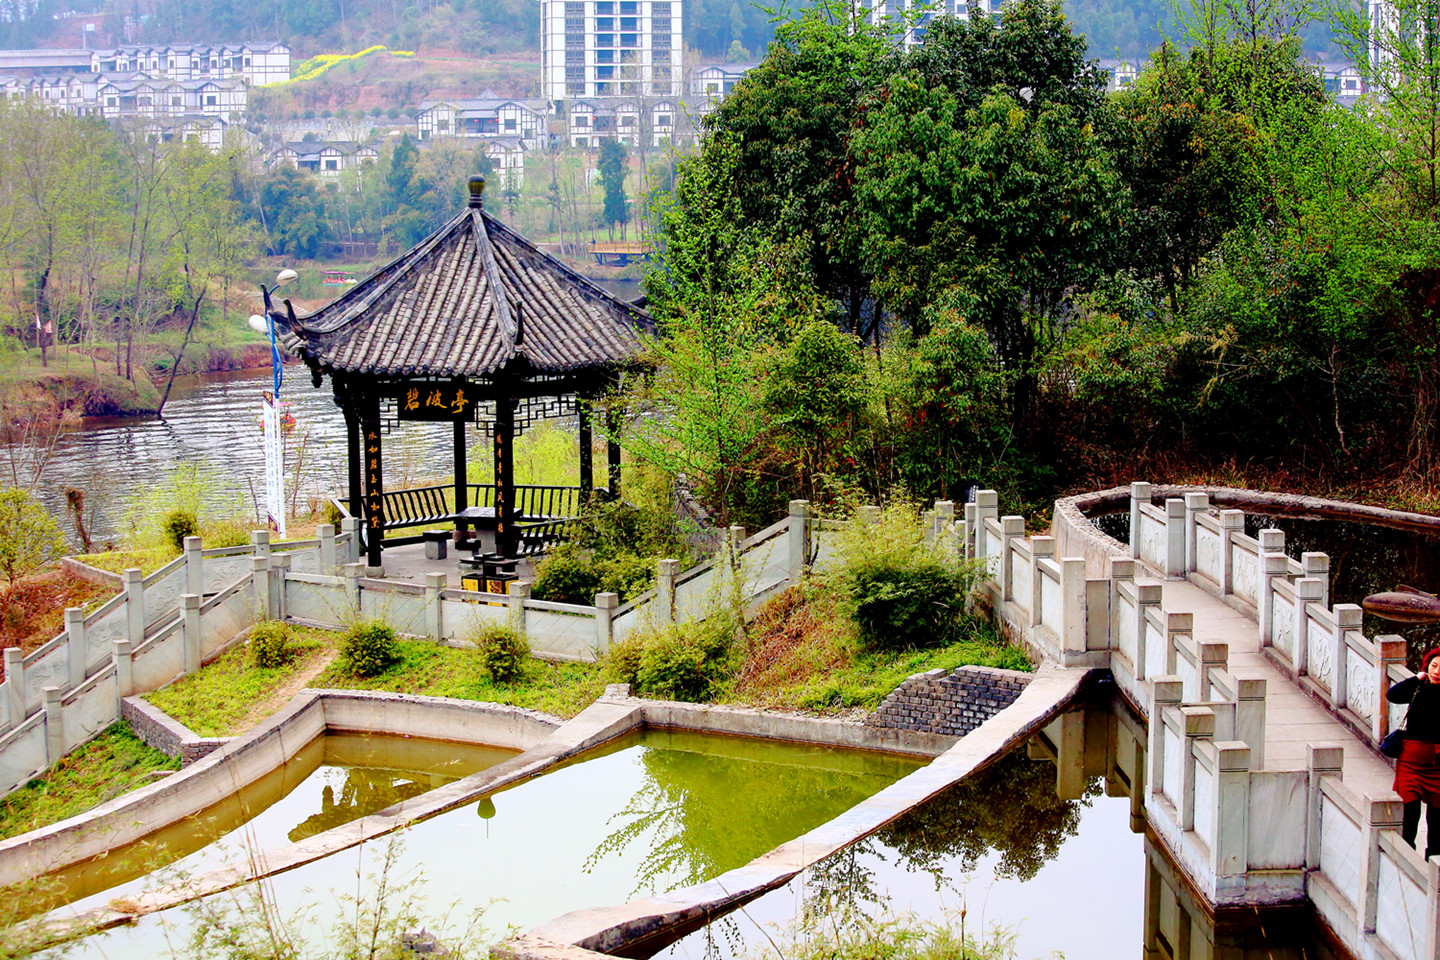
(1394,744)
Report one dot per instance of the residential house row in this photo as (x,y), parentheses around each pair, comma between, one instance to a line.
(115,95)
(256,64)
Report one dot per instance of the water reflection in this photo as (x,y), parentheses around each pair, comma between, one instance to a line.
(371,772)
(1049,844)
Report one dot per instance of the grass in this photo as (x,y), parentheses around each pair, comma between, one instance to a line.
(216,701)
(113,763)
(804,654)
(148,559)
(32,611)
(432,670)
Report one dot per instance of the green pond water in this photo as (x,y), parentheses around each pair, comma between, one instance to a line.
(334,779)
(647,814)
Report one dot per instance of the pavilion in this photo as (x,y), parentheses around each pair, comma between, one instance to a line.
(473,324)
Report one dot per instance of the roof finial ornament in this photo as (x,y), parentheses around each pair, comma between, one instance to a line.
(477,191)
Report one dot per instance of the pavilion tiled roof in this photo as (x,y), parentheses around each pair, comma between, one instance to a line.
(470,300)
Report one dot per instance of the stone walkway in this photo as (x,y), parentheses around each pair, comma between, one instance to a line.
(1292,719)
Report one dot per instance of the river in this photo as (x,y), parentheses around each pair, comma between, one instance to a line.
(207,449)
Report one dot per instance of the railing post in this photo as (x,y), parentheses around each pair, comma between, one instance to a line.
(1272,565)
(967,533)
(326,533)
(15,685)
(1390,651)
(123,655)
(434,615)
(1165,692)
(518,591)
(1307,591)
(797,541)
(927,526)
(1250,717)
(1072,606)
(1321,760)
(134,587)
(1272,540)
(352,573)
(1232,524)
(190,632)
(605,604)
(1199,725)
(868,515)
(350,529)
(1175,539)
(54,725)
(279,570)
(1230,827)
(1317,565)
(1212,656)
(1119,568)
(1347,617)
(1041,548)
(944,523)
(194,566)
(1377,816)
(260,587)
(665,571)
(1146,595)
(260,543)
(1011,528)
(1195,504)
(1139,494)
(75,645)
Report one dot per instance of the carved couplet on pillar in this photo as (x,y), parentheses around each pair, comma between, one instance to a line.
(374,484)
(505,541)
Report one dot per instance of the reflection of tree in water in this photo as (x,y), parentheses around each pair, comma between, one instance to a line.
(698,815)
(1011,808)
(365,791)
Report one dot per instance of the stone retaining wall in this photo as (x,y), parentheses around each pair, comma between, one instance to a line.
(166,734)
(949,704)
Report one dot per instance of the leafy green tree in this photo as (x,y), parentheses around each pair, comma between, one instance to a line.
(1016,206)
(792,120)
(29,537)
(611,164)
(295,210)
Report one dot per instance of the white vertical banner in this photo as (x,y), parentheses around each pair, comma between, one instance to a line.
(274,463)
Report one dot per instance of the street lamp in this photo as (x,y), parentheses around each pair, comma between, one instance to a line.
(266,324)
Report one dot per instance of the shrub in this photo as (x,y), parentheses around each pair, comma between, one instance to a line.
(368,648)
(623,662)
(502,651)
(903,591)
(179,524)
(270,645)
(566,577)
(686,661)
(29,537)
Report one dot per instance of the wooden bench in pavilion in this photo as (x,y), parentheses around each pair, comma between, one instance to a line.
(472,326)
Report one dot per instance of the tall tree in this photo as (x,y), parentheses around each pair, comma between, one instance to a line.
(611,164)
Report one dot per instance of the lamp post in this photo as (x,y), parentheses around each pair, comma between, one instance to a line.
(270,411)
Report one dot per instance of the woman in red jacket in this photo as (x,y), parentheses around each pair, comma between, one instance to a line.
(1417,772)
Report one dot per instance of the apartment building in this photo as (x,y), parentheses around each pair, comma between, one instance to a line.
(609,48)
(255,63)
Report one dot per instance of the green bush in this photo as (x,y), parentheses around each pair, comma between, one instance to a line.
(565,576)
(269,645)
(627,576)
(502,652)
(903,592)
(686,661)
(368,648)
(179,524)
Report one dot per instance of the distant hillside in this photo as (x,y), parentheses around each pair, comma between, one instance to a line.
(718,29)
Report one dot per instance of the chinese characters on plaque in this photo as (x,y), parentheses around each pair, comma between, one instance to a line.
(435,401)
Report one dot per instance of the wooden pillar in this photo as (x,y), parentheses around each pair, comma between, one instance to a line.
(587,450)
(353,456)
(612,449)
(462,488)
(374,482)
(505,539)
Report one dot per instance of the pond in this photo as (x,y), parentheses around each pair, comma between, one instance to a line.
(1364,559)
(1048,846)
(649,813)
(332,780)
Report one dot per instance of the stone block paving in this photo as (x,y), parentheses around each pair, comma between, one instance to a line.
(949,703)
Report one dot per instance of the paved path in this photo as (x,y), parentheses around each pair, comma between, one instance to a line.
(1292,719)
